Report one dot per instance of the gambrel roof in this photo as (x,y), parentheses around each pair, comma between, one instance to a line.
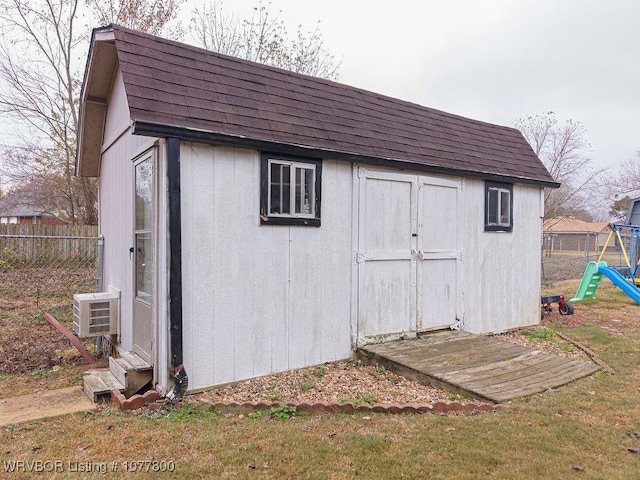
(177,90)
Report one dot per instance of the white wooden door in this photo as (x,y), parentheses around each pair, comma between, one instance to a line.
(385,263)
(438,254)
(144,257)
(408,256)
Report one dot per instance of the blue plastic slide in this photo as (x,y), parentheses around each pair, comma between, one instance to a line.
(620,282)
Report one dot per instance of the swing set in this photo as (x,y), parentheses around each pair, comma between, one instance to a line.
(629,268)
(624,276)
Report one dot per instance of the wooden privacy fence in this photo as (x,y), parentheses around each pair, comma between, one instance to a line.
(51,245)
(49,230)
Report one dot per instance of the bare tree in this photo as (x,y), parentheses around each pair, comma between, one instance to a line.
(151,16)
(623,185)
(626,181)
(39,92)
(41,58)
(563,149)
(263,38)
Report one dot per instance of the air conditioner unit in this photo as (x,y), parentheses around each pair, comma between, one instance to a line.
(95,314)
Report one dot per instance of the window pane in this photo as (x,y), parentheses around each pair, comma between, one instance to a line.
(492,207)
(304,191)
(275,198)
(144,266)
(286,189)
(144,196)
(279,195)
(505,206)
(299,191)
(275,173)
(276,188)
(308,204)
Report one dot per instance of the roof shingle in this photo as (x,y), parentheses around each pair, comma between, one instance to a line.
(178,85)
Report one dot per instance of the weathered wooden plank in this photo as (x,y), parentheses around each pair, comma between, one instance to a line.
(419,376)
(478,357)
(540,381)
(519,377)
(533,384)
(134,361)
(478,366)
(431,340)
(502,367)
(100,382)
(467,358)
(423,348)
(551,366)
(94,386)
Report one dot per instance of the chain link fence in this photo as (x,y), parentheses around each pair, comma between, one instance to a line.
(565,254)
(42,267)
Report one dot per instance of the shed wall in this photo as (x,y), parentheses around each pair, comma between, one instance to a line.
(502,269)
(259,299)
(115,202)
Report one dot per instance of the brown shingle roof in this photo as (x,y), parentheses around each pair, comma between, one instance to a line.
(169,84)
(569,224)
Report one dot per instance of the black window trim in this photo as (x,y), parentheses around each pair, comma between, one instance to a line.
(488,185)
(265,218)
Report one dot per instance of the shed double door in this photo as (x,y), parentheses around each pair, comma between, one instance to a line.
(408,256)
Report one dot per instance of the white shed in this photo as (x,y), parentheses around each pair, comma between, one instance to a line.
(258,220)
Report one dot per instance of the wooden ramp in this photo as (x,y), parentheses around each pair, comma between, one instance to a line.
(477,366)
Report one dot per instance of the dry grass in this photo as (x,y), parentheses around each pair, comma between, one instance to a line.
(588,429)
(33,355)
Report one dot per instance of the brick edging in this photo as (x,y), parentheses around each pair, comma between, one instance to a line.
(135,401)
(139,401)
(348,407)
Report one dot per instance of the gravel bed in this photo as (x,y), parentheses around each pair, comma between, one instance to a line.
(336,382)
(347,381)
(549,343)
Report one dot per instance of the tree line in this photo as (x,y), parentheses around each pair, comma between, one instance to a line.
(587,193)
(43,46)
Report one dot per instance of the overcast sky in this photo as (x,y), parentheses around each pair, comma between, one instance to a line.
(492,60)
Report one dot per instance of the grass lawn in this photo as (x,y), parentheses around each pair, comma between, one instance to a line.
(588,429)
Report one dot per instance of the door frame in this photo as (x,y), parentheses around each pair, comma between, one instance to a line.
(152,155)
(360,174)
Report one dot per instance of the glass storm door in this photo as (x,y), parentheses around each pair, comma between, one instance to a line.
(144,261)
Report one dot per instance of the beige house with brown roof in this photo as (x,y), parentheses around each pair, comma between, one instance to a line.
(571,234)
(256,220)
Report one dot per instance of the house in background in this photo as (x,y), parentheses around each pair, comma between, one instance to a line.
(20,208)
(571,234)
(256,220)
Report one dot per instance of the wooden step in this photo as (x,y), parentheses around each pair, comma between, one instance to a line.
(119,369)
(98,383)
(131,371)
(134,361)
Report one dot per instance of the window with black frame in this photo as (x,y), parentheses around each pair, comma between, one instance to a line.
(498,212)
(290,190)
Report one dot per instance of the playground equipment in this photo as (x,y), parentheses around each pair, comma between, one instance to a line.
(624,276)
